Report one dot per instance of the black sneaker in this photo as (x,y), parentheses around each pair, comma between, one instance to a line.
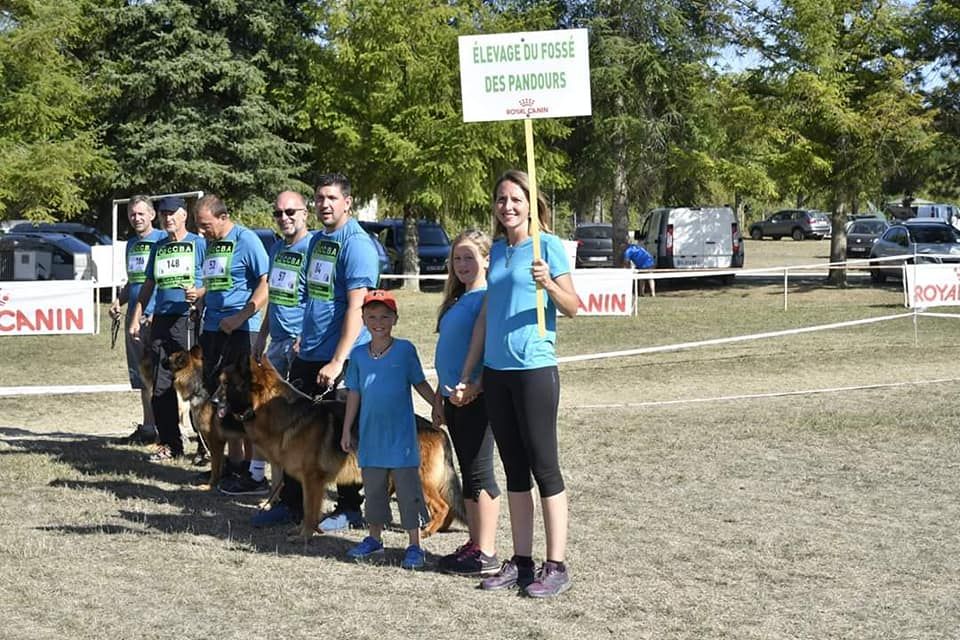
(141,436)
(472,563)
(243,485)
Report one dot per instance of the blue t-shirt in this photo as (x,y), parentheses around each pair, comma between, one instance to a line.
(138,257)
(175,265)
(232,268)
(456,330)
(288,285)
(337,262)
(512,338)
(388,428)
(639,256)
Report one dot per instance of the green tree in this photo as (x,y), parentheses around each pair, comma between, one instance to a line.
(49,142)
(835,80)
(384,107)
(648,60)
(203,95)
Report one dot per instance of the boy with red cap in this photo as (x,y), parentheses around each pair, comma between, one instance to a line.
(379,377)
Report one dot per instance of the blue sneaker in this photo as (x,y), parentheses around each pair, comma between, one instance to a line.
(414,558)
(279,514)
(367,548)
(340,520)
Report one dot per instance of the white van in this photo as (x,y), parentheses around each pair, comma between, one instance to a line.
(692,238)
(949,213)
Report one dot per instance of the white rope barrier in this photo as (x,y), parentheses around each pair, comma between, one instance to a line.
(754,396)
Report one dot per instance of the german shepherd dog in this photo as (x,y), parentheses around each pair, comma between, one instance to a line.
(147,366)
(187,369)
(303,437)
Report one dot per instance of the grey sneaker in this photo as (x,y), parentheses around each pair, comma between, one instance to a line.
(510,576)
(551,581)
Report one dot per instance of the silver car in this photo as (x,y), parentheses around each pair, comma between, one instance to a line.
(913,241)
(795,223)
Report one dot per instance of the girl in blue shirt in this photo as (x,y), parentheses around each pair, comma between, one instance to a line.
(468,425)
(521,384)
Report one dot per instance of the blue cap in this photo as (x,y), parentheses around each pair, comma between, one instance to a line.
(170,204)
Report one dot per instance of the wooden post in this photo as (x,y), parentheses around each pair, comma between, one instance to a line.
(534,219)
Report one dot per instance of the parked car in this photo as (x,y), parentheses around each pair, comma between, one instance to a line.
(594,244)
(433,244)
(268,237)
(861,234)
(82,232)
(44,256)
(796,223)
(385,266)
(692,238)
(916,240)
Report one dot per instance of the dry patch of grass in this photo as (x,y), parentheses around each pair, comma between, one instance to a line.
(823,515)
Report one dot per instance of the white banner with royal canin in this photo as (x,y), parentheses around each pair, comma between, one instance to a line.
(604,292)
(534,74)
(932,285)
(46,307)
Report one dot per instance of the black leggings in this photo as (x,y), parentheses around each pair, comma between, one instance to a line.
(522,406)
(473,441)
(303,376)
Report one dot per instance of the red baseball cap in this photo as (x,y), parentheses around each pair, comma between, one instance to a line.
(383,297)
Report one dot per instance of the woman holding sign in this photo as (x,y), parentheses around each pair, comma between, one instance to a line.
(521,384)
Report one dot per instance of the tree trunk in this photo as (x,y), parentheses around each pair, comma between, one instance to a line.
(619,212)
(597,209)
(411,248)
(838,245)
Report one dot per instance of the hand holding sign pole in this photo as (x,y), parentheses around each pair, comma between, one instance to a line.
(538,74)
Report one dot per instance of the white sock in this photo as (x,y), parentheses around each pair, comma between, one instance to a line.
(258,469)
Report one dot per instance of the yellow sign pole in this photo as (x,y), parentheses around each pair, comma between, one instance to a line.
(534,218)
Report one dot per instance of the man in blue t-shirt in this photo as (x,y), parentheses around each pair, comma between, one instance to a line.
(342,265)
(639,258)
(173,273)
(140,215)
(283,317)
(235,268)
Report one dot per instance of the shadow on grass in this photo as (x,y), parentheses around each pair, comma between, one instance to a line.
(115,469)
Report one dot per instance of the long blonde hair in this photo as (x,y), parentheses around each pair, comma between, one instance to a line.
(522,180)
(453,289)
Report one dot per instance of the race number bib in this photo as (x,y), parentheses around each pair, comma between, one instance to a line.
(216,265)
(322,270)
(174,265)
(137,262)
(284,277)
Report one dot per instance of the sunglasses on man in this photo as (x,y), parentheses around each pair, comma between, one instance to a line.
(279,213)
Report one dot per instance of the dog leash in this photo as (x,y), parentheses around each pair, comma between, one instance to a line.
(114,332)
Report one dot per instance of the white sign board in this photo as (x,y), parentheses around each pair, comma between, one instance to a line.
(933,285)
(604,292)
(48,307)
(535,74)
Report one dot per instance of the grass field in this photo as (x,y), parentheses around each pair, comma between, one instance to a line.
(703,504)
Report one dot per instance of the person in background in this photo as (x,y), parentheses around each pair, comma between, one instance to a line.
(379,378)
(140,215)
(235,270)
(639,258)
(174,272)
(342,266)
(468,425)
(521,383)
